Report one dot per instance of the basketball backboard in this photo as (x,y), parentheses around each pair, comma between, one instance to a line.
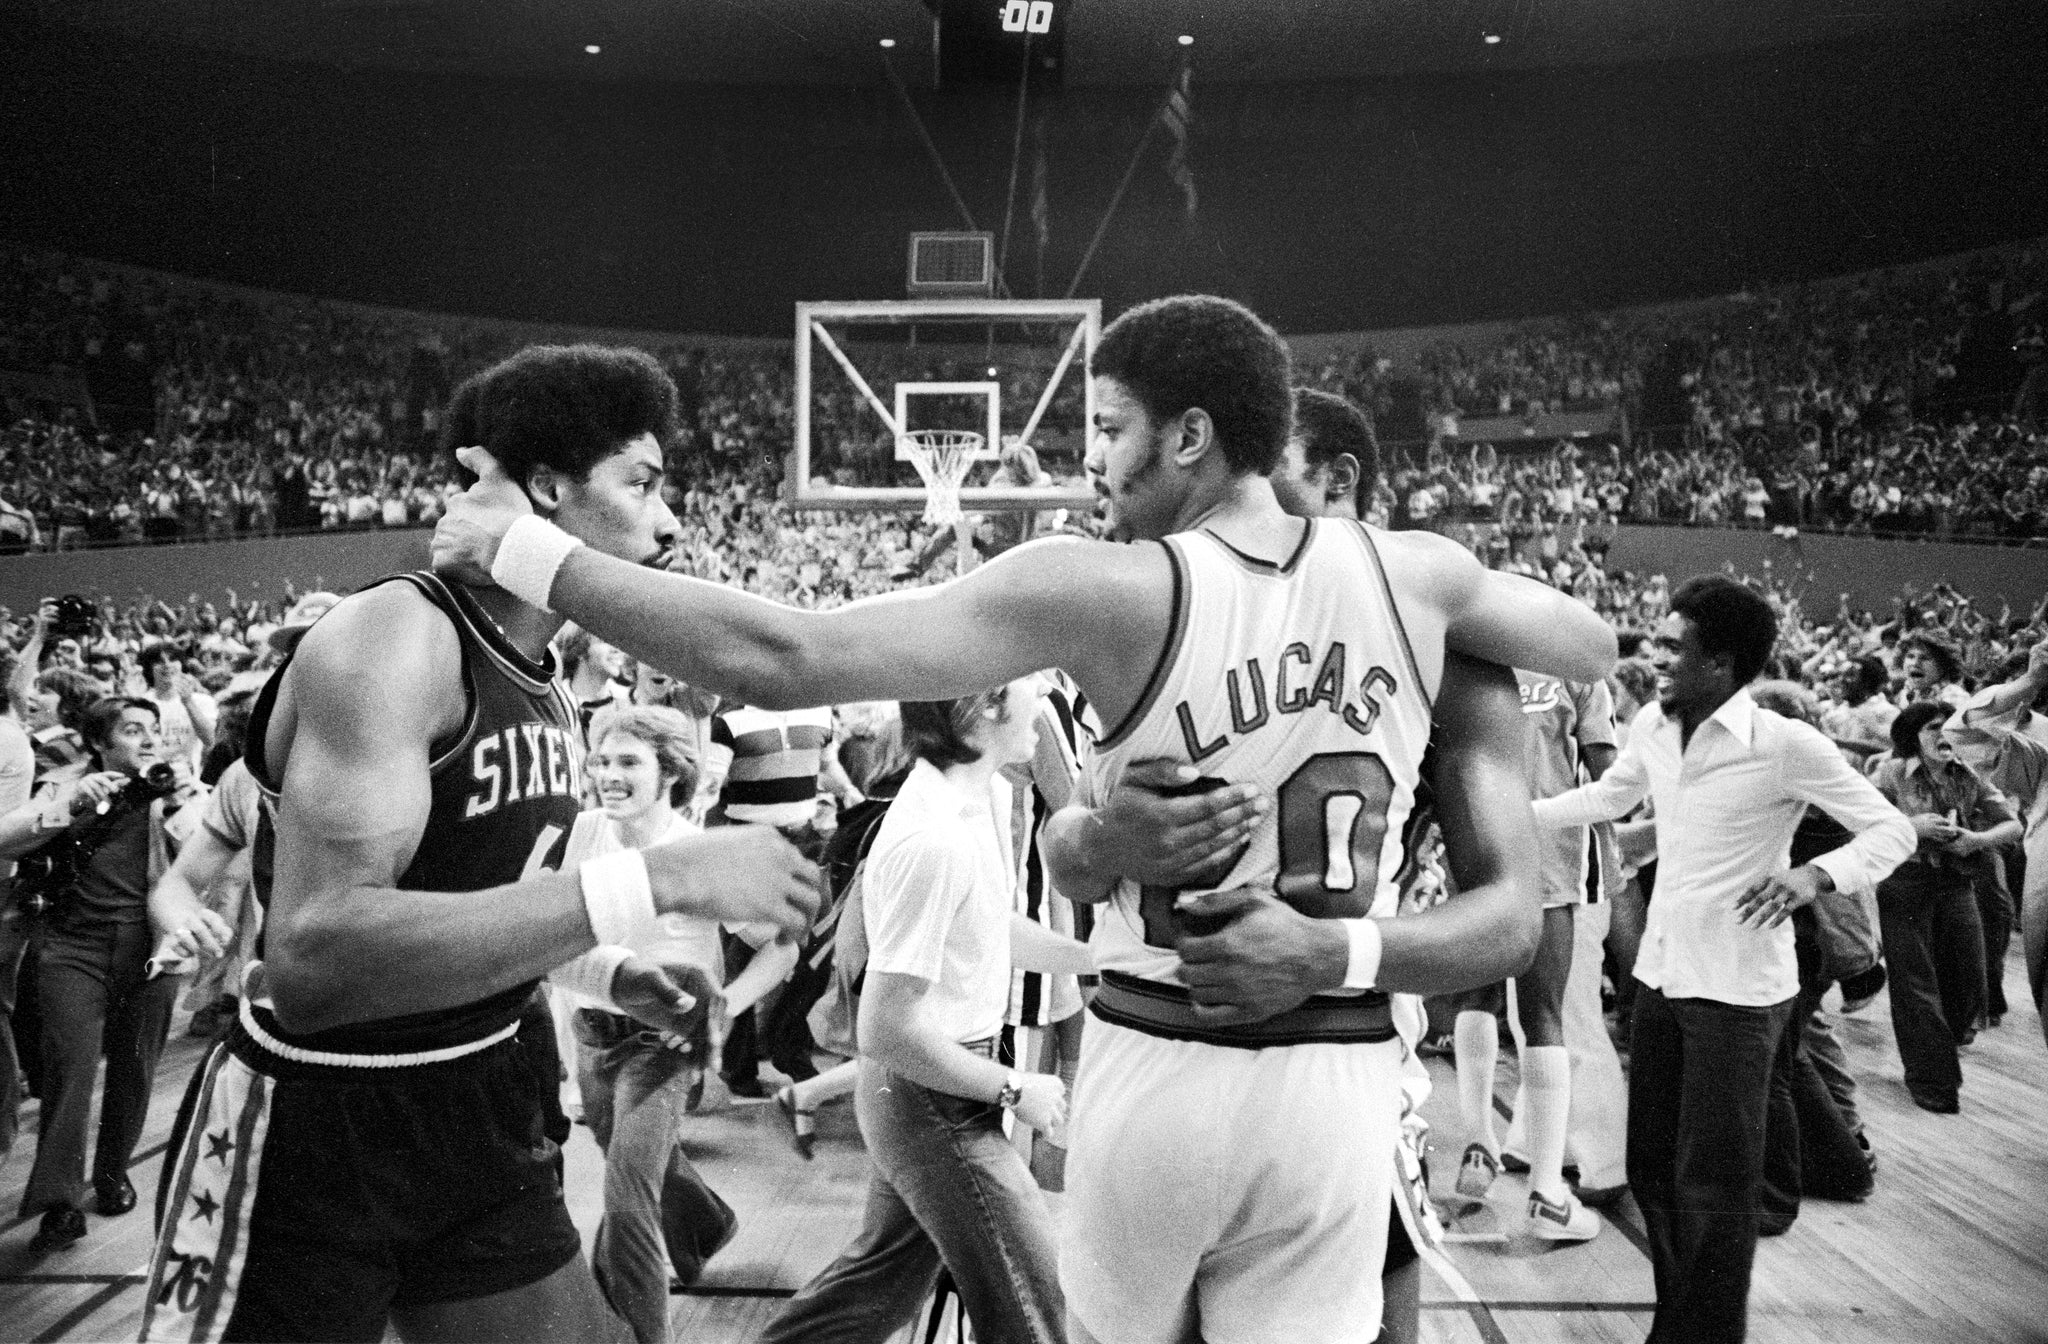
(1012,370)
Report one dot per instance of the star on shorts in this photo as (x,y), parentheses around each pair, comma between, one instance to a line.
(218,1146)
(205,1205)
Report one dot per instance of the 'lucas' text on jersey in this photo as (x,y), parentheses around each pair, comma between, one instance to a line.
(1296,683)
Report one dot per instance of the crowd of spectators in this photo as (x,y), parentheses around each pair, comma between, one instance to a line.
(203,412)
(1966,481)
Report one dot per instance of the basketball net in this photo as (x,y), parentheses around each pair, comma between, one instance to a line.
(941,457)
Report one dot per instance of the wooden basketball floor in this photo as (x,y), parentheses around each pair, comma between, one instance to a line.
(1953,1246)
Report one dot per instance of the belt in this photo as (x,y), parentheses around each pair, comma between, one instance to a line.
(1160,1009)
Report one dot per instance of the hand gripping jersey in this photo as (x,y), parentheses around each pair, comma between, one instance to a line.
(1298,677)
(506,790)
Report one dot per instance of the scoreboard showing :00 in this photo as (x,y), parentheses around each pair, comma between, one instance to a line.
(1027,16)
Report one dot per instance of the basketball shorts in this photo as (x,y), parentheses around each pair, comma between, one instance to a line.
(1241,1193)
(305,1200)
(1571,884)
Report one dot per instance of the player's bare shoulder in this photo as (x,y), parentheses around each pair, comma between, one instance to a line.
(385,662)
(1447,597)
(1427,567)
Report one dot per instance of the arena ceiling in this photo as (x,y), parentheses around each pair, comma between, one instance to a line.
(1109,42)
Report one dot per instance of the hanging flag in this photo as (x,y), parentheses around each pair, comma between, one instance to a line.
(1178,116)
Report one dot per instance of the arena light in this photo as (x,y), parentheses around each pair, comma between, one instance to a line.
(1186,39)
(887,43)
(1493,39)
(592,49)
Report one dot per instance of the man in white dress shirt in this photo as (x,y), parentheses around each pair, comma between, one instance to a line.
(1730,781)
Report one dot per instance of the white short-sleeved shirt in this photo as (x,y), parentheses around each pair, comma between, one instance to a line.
(936,899)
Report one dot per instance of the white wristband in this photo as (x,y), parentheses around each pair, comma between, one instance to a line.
(590,975)
(1363,969)
(618,897)
(529,555)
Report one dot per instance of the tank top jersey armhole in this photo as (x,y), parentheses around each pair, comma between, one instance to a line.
(1386,588)
(504,817)
(1169,652)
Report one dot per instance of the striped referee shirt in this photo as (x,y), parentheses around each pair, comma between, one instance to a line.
(1064,738)
(776,756)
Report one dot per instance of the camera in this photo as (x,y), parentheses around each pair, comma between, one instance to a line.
(158,781)
(74,617)
(45,877)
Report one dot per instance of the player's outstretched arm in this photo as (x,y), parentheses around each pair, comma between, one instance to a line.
(1092,608)
(343,943)
(1499,618)
(1053,603)
(1489,929)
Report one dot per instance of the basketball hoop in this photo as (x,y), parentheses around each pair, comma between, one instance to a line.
(941,457)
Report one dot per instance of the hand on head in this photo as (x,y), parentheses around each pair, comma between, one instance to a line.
(466,539)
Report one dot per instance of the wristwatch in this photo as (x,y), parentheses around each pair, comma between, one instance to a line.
(1012,1093)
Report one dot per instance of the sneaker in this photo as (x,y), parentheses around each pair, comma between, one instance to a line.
(1477,1172)
(1567,1220)
(1440,1045)
(61,1227)
(750,1088)
(803,1124)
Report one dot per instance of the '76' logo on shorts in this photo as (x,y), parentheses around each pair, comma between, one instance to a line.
(188,1281)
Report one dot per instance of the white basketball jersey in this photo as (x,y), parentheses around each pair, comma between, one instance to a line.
(1297,677)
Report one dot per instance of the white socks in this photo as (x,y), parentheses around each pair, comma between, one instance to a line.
(1478,1045)
(1547,1088)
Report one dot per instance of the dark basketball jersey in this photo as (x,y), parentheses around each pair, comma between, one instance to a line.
(506,789)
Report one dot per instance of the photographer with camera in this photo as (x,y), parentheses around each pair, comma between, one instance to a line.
(90,850)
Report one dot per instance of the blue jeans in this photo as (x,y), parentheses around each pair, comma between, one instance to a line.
(947,1188)
(1699,1097)
(657,1210)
